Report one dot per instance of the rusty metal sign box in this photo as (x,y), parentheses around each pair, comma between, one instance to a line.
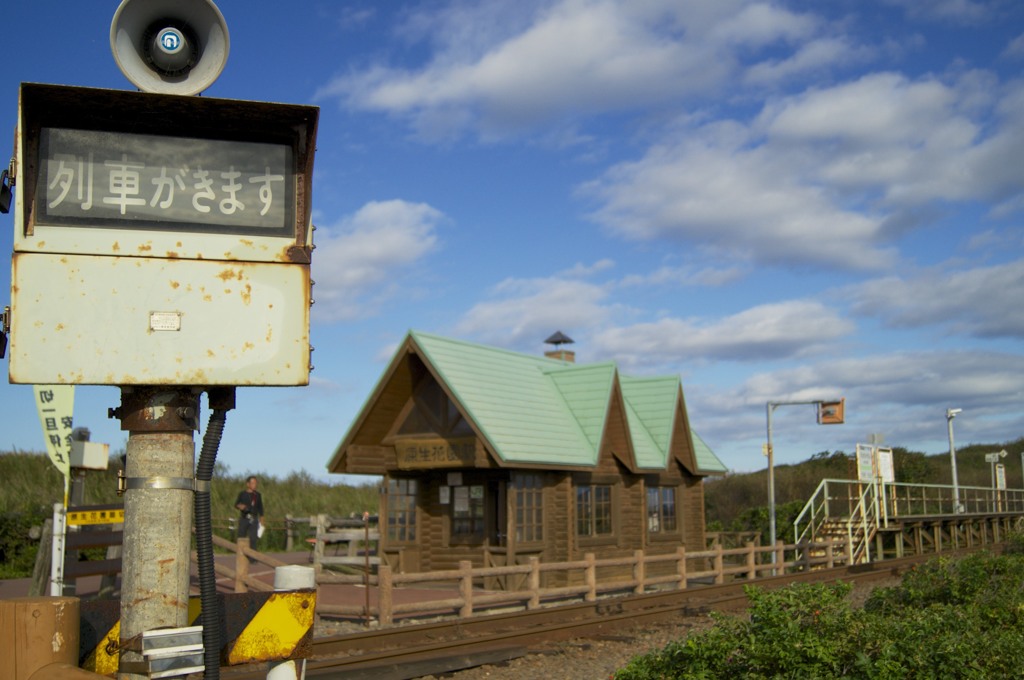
(160,240)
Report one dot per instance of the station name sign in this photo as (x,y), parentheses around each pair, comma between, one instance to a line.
(97,178)
(419,454)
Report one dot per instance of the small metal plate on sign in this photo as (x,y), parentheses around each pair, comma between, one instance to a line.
(165,321)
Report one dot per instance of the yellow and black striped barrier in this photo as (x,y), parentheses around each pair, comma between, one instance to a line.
(258,627)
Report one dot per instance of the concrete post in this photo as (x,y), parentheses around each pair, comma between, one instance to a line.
(158,504)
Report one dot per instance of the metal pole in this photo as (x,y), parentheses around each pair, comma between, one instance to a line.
(771,466)
(60,528)
(771,485)
(993,469)
(159,474)
(950,414)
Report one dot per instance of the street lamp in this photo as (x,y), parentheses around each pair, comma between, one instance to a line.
(950,414)
(829,413)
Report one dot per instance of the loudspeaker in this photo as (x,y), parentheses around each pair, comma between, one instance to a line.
(169,46)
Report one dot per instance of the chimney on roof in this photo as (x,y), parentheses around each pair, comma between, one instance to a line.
(559,339)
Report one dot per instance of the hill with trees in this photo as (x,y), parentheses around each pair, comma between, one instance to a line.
(734,502)
(739,502)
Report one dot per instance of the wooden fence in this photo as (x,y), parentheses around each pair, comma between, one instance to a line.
(461,591)
(723,565)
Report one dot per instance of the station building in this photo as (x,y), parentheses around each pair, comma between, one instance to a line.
(494,456)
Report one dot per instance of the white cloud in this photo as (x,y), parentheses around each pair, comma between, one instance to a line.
(717,187)
(901,395)
(826,177)
(885,133)
(685,276)
(1015,49)
(875,110)
(903,378)
(525,311)
(760,23)
(969,11)
(501,66)
(766,332)
(360,257)
(813,57)
(983,302)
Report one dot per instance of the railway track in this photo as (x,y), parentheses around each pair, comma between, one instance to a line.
(412,651)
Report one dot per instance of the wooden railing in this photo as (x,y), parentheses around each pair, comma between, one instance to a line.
(243,581)
(468,590)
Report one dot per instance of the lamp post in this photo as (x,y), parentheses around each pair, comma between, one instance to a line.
(829,413)
(950,414)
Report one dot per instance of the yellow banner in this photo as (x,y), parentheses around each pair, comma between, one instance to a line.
(56,404)
(77,518)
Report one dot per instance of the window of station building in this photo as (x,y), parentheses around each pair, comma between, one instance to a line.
(528,499)
(594,510)
(661,509)
(468,513)
(401,500)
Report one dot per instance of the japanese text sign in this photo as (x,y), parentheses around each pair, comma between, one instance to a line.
(133,174)
(105,179)
(55,405)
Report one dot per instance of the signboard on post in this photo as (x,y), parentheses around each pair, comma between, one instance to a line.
(161,240)
(865,463)
(886,471)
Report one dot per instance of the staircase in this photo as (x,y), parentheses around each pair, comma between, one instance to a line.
(840,510)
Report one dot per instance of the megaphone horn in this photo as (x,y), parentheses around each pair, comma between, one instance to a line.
(169,46)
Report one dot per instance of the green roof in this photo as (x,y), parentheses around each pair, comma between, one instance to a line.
(516,405)
(651,412)
(706,458)
(533,409)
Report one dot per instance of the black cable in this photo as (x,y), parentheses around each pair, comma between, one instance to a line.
(210,616)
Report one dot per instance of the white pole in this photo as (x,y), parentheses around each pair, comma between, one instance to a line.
(950,414)
(771,487)
(57,561)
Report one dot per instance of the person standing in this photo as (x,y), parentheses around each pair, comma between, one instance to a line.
(250,504)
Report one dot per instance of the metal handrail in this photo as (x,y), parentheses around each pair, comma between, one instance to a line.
(812,525)
(871,505)
(867,511)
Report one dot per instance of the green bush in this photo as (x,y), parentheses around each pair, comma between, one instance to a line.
(947,619)
(17,547)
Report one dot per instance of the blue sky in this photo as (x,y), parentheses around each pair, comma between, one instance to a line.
(774,200)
